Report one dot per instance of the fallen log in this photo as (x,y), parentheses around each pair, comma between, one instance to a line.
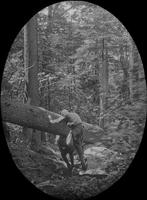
(39,118)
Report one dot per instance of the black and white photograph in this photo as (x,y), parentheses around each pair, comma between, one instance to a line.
(73,100)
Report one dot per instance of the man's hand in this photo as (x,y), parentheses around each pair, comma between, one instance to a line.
(50,118)
(53,121)
(69,124)
(56,139)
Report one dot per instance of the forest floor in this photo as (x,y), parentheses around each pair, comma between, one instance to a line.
(107,162)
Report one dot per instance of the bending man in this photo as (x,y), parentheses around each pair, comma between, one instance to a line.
(74,121)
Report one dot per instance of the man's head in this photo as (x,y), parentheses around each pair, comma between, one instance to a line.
(64,112)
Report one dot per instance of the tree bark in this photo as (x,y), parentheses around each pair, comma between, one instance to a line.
(27,133)
(131,65)
(125,89)
(37,118)
(33,62)
(103,76)
(33,83)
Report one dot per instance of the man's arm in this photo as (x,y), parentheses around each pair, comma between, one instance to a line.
(55,120)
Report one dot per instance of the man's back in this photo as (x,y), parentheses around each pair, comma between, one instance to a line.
(74,118)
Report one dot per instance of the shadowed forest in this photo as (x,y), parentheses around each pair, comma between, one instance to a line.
(77,56)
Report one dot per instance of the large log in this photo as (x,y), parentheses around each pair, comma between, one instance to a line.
(38,118)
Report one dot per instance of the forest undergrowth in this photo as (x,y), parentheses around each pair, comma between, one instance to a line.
(46,171)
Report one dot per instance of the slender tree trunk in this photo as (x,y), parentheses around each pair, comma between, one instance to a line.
(33,83)
(136,69)
(33,62)
(131,65)
(26,132)
(103,75)
(69,89)
(43,134)
(96,88)
(69,98)
(125,90)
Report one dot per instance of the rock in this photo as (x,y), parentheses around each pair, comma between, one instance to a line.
(98,158)
(95,171)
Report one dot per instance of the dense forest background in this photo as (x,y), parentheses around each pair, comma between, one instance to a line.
(79,57)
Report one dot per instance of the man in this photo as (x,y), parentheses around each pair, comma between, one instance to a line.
(74,121)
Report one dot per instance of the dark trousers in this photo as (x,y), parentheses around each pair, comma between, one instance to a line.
(77,135)
(66,149)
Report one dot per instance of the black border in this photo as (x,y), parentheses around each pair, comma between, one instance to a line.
(14,14)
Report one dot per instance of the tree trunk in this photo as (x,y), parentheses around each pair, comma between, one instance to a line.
(125,90)
(37,118)
(32,73)
(43,134)
(27,133)
(131,65)
(104,85)
(33,63)
(136,70)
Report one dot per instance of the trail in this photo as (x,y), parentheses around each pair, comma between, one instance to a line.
(47,171)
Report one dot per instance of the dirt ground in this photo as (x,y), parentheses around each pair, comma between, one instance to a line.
(46,170)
